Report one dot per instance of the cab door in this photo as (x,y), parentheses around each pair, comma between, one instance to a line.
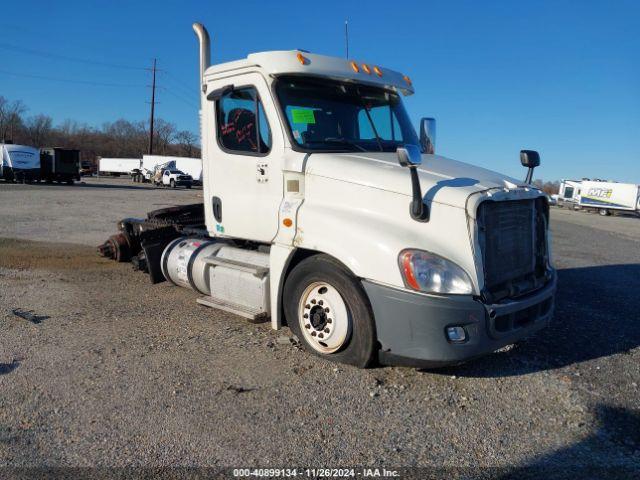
(245,159)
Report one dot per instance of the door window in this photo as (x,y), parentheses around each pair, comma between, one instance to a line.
(238,130)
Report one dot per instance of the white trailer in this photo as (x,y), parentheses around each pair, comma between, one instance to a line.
(569,193)
(608,197)
(19,162)
(118,166)
(323,210)
(190,166)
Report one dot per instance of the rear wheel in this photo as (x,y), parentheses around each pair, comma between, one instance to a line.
(604,212)
(327,308)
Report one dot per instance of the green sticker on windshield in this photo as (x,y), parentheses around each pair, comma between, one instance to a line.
(303,115)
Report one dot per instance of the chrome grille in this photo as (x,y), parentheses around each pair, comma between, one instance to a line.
(511,247)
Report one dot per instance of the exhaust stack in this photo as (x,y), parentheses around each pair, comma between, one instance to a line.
(205,51)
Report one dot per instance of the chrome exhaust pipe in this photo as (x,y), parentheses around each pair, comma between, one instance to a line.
(205,51)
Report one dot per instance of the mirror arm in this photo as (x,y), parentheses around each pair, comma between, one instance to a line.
(529,178)
(419,211)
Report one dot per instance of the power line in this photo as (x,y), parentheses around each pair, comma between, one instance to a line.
(180,97)
(191,89)
(70,80)
(40,53)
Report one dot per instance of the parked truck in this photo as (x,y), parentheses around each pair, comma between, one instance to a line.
(59,165)
(323,210)
(610,197)
(187,165)
(569,193)
(117,166)
(19,163)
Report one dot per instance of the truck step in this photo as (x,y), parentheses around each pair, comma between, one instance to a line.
(254,315)
(255,270)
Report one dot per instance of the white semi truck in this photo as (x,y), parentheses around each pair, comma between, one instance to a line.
(19,163)
(324,211)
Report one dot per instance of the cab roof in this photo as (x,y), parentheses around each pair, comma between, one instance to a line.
(296,62)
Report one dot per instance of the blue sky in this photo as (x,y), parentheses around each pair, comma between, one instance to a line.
(561,77)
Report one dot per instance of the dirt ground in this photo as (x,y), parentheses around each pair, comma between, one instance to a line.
(100,368)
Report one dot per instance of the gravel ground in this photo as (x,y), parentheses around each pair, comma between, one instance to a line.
(47,212)
(107,370)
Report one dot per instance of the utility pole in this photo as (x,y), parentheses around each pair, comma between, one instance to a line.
(153,106)
(346,36)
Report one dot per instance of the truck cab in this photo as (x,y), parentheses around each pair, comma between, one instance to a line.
(325,211)
(301,155)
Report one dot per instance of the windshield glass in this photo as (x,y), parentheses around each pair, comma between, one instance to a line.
(337,116)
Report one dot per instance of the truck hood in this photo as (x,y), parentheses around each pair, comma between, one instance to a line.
(443,180)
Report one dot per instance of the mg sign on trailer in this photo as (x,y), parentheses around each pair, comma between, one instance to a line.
(610,196)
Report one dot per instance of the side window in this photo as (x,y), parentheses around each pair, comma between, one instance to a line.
(383,119)
(568,192)
(238,129)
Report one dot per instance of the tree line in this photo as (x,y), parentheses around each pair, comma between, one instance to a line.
(121,138)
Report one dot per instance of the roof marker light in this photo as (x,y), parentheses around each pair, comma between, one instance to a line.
(302,59)
(378,71)
(366,68)
(408,80)
(354,65)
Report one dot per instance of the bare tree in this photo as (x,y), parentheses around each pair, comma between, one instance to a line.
(164,134)
(187,142)
(10,117)
(122,138)
(39,129)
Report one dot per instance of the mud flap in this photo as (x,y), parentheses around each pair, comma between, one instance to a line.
(153,249)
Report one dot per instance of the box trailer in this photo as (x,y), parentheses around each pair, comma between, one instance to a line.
(118,166)
(59,164)
(19,163)
(190,166)
(609,197)
(569,193)
(325,211)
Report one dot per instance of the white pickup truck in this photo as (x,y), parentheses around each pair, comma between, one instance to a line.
(176,178)
(326,212)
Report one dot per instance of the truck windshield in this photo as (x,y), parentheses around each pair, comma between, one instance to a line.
(329,115)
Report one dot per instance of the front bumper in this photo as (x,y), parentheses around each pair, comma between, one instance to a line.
(411,327)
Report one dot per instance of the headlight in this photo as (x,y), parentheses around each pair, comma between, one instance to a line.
(427,272)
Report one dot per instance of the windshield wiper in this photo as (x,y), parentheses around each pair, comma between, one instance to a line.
(341,141)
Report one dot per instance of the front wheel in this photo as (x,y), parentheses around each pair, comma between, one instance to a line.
(172,183)
(604,212)
(327,308)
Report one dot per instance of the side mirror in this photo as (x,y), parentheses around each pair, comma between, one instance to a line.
(409,156)
(529,159)
(428,135)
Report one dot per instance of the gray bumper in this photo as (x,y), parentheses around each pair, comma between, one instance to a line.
(411,327)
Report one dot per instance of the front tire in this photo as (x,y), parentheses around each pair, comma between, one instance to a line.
(172,183)
(328,310)
(604,212)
